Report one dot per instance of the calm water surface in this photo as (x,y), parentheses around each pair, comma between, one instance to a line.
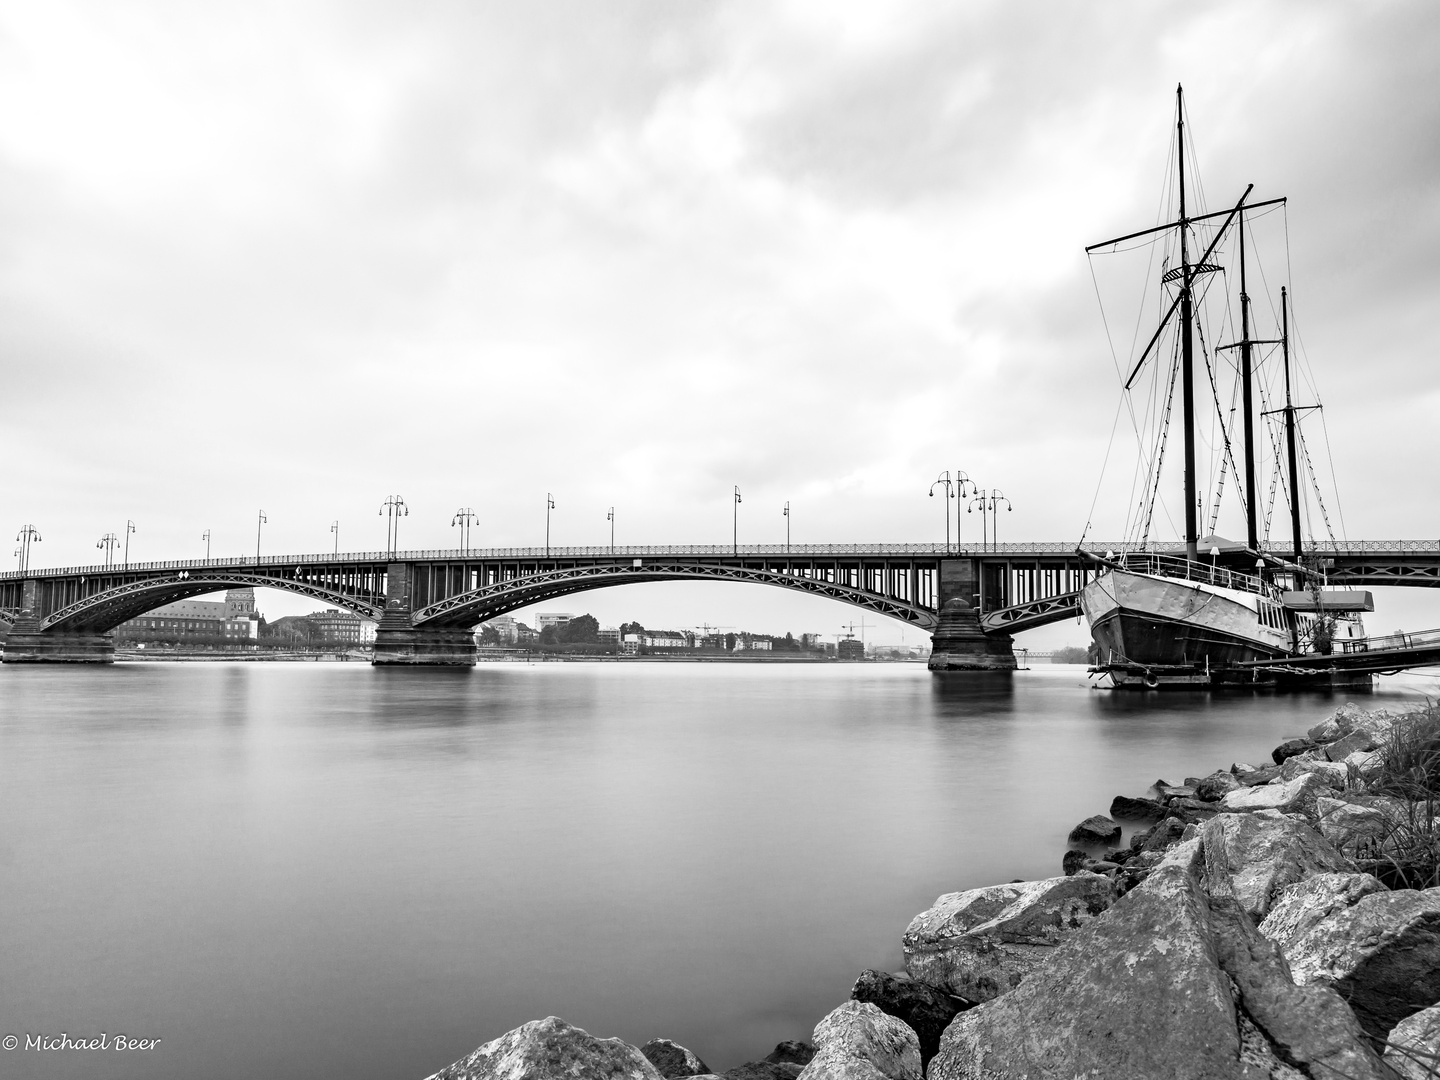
(303,870)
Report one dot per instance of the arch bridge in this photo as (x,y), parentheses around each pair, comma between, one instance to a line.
(972,600)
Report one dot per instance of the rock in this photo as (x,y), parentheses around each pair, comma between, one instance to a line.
(928,1011)
(1137,993)
(1381,953)
(1163,835)
(1356,741)
(1413,1048)
(1344,823)
(1339,723)
(1095,830)
(791,1052)
(1290,749)
(1074,861)
(671,1059)
(1214,787)
(764,1070)
(551,1049)
(1363,762)
(979,944)
(1306,1026)
(1122,806)
(1296,796)
(1252,857)
(858,1041)
(1299,908)
(1262,775)
(1334,773)
(1168,792)
(1192,811)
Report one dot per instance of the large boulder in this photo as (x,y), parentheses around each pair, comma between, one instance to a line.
(1294,796)
(1097,829)
(1333,773)
(1413,1048)
(1338,724)
(1124,807)
(859,1042)
(1301,907)
(1344,823)
(1360,741)
(1136,994)
(791,1052)
(1381,953)
(928,1011)
(1214,787)
(671,1059)
(979,944)
(1252,857)
(1291,747)
(1160,986)
(551,1049)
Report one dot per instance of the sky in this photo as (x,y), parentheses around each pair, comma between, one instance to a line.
(299,257)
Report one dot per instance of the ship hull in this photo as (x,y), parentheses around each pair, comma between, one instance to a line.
(1151,630)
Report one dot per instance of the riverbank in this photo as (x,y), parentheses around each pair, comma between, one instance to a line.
(1277,920)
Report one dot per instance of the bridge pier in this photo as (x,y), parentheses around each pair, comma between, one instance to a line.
(398,641)
(26,643)
(959,643)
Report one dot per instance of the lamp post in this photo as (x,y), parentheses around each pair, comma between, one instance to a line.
(610,517)
(393,508)
(549,505)
(206,537)
(464,517)
(989,503)
(735,523)
(962,481)
(26,536)
(335,528)
(260,520)
(129,528)
(786,512)
(944,481)
(109,542)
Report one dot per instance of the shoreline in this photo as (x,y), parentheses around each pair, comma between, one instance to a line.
(1278,920)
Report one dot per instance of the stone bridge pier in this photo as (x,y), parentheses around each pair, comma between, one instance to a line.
(26,644)
(399,642)
(959,643)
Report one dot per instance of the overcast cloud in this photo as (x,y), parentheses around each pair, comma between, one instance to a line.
(301,256)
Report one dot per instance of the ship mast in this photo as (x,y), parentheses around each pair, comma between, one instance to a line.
(1187,344)
(1252,532)
(1290,425)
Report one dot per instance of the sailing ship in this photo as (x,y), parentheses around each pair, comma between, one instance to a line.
(1220,612)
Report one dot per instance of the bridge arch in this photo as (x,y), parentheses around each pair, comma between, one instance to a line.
(108,608)
(489,601)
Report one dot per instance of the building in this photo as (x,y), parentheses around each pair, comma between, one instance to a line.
(609,635)
(507,630)
(747,642)
(852,649)
(335,627)
(232,621)
(546,619)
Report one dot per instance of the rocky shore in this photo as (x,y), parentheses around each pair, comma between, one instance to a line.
(1279,920)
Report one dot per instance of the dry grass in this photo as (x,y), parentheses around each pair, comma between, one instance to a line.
(1406,854)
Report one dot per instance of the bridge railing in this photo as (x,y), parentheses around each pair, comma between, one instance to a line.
(1021,549)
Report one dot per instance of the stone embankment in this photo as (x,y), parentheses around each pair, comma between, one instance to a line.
(1277,921)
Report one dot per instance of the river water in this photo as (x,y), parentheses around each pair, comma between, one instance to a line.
(307,870)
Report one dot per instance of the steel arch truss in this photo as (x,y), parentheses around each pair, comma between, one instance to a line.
(1012,620)
(490,601)
(111,607)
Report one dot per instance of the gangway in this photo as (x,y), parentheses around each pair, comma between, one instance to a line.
(1382,655)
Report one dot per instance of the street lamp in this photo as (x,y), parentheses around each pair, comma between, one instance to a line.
(109,542)
(464,517)
(786,512)
(129,528)
(610,517)
(260,520)
(335,528)
(943,480)
(989,503)
(549,505)
(394,509)
(735,523)
(206,537)
(26,536)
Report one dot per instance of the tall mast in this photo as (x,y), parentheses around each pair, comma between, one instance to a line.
(1290,425)
(1252,533)
(1187,348)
